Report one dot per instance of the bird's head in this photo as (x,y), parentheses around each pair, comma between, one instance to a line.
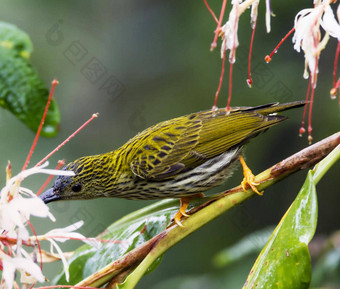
(71,187)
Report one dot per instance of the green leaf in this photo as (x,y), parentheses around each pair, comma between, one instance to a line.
(285,261)
(123,236)
(21,90)
(15,40)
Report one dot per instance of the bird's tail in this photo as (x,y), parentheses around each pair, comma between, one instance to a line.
(275,107)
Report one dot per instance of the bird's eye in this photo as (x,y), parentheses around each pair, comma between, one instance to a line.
(76,188)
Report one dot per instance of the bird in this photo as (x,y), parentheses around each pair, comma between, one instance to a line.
(179,158)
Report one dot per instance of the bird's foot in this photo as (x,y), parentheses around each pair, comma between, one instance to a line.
(249,178)
(184,202)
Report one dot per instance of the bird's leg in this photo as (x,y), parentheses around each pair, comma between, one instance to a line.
(184,202)
(249,178)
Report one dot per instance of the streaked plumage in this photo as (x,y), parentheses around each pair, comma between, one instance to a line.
(173,159)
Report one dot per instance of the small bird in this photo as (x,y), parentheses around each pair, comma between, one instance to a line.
(178,158)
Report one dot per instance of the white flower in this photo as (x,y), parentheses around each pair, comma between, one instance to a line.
(17,205)
(15,213)
(10,265)
(307,36)
(68,233)
(15,210)
(254,13)
(64,234)
(229,30)
(329,23)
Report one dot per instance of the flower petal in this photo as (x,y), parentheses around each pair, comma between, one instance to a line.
(329,23)
(10,265)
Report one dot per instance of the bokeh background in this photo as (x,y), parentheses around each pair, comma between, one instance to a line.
(141,62)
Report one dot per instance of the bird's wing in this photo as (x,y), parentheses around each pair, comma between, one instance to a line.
(186,142)
(222,130)
(159,150)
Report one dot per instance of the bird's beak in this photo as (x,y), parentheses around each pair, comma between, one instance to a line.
(49,196)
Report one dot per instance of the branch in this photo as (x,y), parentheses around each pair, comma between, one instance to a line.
(143,256)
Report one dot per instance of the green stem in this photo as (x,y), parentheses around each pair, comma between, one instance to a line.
(322,167)
(175,234)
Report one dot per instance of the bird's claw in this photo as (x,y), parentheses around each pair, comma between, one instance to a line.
(249,178)
(181,212)
(184,203)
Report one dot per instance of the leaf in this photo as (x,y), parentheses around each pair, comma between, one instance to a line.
(21,90)
(123,236)
(15,40)
(285,261)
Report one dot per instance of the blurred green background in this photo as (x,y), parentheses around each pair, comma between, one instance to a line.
(141,62)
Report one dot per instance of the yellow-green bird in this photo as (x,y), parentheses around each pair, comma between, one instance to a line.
(178,158)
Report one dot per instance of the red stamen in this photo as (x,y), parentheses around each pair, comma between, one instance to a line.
(220,83)
(230,85)
(12,241)
(336,59)
(310,138)
(268,58)
(337,86)
(313,84)
(332,93)
(42,188)
(219,24)
(95,115)
(54,83)
(250,80)
(38,244)
(302,128)
(211,12)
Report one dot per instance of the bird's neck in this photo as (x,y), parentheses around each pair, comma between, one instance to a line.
(111,170)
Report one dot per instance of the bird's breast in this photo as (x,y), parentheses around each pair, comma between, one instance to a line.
(200,179)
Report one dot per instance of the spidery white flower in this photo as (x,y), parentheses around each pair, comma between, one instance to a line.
(308,35)
(229,31)
(330,24)
(64,234)
(17,204)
